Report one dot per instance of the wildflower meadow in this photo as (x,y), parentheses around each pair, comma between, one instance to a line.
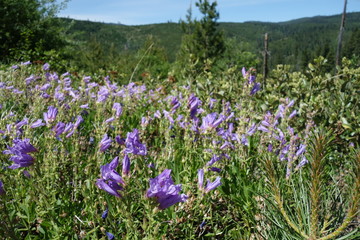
(88,157)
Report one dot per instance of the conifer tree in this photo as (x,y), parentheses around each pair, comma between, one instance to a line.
(203,43)
(28,28)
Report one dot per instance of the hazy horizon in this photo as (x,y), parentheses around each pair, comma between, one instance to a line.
(141,12)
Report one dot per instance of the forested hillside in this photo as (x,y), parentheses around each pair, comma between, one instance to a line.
(294,42)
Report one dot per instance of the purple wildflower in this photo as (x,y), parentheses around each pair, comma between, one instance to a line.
(21,160)
(175,104)
(105,213)
(85,106)
(262,128)
(59,128)
(78,121)
(157,114)
(300,150)
(168,116)
(255,89)
(117,107)
(110,179)
(133,144)
(302,163)
(293,114)
(103,94)
(44,87)
(120,140)
(68,127)
(251,130)
(110,235)
(200,178)
(193,105)
(290,104)
(109,120)
(25,63)
(280,113)
(105,143)
(37,123)
(50,115)
(163,189)
(215,169)
(46,67)
(126,165)
(30,79)
(22,123)
(151,165)
(20,151)
(212,101)
(211,121)
(214,159)
(212,185)
(244,140)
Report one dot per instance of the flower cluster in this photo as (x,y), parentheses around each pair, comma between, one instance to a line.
(110,180)
(133,144)
(163,189)
(19,152)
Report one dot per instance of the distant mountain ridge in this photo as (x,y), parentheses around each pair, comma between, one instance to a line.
(295,41)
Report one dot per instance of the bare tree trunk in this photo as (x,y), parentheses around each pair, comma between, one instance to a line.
(341,33)
(266,54)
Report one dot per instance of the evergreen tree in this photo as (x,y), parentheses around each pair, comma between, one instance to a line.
(28,28)
(202,44)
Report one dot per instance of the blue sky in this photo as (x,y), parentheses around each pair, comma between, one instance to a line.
(136,12)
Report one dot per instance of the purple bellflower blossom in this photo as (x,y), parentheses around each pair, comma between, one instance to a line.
(292,114)
(120,140)
(21,123)
(211,121)
(157,114)
(175,104)
(105,213)
(25,63)
(212,185)
(37,123)
(110,180)
(109,120)
(255,89)
(200,178)
(118,109)
(105,143)
(85,106)
(23,146)
(303,162)
(20,155)
(59,128)
(50,115)
(301,150)
(163,189)
(78,121)
(215,169)
(214,159)
(193,105)
(46,67)
(133,144)
(126,165)
(110,236)
(212,102)
(102,94)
